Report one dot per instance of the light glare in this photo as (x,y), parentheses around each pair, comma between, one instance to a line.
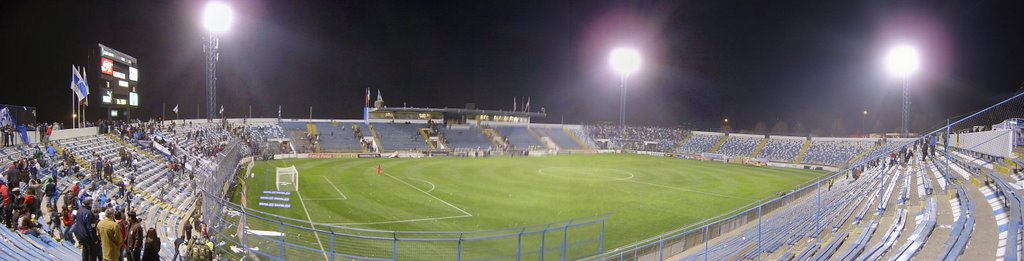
(217,17)
(902,61)
(625,61)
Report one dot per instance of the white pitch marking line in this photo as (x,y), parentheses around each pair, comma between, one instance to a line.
(428,182)
(335,187)
(398,221)
(310,218)
(428,194)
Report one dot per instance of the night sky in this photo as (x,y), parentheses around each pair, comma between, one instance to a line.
(813,62)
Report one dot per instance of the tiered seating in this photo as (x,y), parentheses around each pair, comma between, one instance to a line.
(339,138)
(834,152)
(699,143)
(741,146)
(781,149)
(558,136)
(519,136)
(466,138)
(400,136)
(637,138)
(799,222)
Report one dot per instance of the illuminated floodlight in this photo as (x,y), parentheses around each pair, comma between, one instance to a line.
(902,61)
(217,17)
(625,61)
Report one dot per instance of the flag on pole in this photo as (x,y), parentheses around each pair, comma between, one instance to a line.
(175,110)
(378,95)
(222,109)
(523,100)
(379,170)
(76,86)
(278,111)
(514,103)
(527,104)
(367,97)
(85,82)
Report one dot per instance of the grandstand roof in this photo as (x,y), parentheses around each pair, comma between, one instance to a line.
(461,111)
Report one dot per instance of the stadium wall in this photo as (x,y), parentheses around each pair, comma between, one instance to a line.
(68,134)
(996,143)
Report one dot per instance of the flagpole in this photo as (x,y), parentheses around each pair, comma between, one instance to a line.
(73,109)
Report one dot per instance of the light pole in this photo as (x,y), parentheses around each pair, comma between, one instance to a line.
(862,119)
(902,61)
(217,18)
(625,61)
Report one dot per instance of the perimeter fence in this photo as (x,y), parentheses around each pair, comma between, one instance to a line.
(242,232)
(994,134)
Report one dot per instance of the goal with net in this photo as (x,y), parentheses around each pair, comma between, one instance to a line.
(287,179)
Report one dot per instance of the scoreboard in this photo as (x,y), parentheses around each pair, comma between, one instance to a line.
(116,83)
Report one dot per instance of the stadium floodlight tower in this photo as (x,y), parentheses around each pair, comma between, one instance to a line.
(625,61)
(902,61)
(217,18)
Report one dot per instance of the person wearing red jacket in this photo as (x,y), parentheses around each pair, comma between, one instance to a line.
(4,194)
(68,219)
(6,200)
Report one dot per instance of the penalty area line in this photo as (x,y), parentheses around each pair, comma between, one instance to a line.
(432,187)
(428,194)
(335,187)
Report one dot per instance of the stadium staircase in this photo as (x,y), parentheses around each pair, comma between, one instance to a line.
(376,140)
(551,144)
(547,142)
(361,146)
(760,146)
(583,145)
(311,129)
(81,162)
(803,152)
(493,136)
(129,146)
(718,145)
(298,138)
(426,138)
(862,154)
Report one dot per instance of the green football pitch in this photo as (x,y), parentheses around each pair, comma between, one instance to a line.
(642,196)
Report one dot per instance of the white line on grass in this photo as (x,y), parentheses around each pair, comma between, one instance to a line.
(428,194)
(398,221)
(335,187)
(310,218)
(428,182)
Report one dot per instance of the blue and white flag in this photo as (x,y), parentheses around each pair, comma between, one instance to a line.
(78,85)
(5,117)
